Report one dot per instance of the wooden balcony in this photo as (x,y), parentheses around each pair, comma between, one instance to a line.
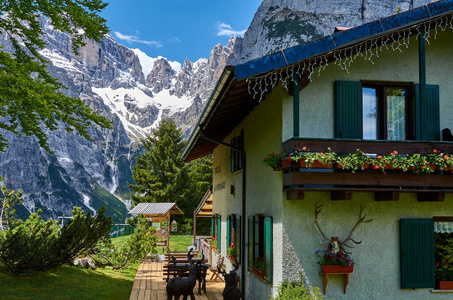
(386,185)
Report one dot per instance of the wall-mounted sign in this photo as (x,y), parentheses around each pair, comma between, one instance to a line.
(164,224)
(220,186)
(156,225)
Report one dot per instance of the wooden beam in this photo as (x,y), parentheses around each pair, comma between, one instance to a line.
(431,197)
(295,195)
(340,195)
(387,196)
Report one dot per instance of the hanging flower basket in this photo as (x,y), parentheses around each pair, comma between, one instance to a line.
(337,269)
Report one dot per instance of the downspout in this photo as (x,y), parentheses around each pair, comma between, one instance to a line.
(244,217)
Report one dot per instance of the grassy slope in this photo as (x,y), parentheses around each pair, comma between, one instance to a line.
(74,283)
(68,283)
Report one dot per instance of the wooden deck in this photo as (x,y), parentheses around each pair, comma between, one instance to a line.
(149,284)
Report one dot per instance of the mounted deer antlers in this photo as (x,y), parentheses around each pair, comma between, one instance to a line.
(335,245)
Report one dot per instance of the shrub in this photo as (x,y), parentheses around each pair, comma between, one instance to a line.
(296,289)
(36,245)
(141,243)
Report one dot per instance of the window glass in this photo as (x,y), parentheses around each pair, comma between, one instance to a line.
(369,113)
(443,250)
(396,114)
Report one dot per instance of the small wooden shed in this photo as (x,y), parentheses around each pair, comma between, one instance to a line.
(158,215)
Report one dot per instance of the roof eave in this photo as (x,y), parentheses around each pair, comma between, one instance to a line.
(223,82)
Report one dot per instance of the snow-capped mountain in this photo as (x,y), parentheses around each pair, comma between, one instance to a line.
(110,79)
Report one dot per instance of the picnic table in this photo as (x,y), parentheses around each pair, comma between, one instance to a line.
(182,270)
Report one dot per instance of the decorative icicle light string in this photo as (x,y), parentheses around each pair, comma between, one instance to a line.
(368,50)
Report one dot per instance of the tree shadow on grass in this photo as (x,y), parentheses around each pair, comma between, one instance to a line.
(66,282)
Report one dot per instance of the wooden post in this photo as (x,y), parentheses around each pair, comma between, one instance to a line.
(194,227)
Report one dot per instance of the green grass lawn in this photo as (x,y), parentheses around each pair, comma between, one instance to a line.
(68,282)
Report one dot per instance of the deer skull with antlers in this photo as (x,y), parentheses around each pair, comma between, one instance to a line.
(335,245)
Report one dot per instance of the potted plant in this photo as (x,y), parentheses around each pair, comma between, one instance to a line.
(335,262)
(444,276)
(258,267)
(231,252)
(444,261)
(214,243)
(274,160)
(353,161)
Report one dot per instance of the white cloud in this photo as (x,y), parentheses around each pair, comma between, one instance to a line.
(147,62)
(173,40)
(226,30)
(135,39)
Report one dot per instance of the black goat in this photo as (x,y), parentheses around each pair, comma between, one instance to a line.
(177,287)
(231,292)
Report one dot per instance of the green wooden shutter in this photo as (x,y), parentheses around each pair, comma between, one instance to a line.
(348,109)
(427,119)
(251,241)
(213,226)
(219,233)
(417,253)
(268,256)
(237,231)
(228,238)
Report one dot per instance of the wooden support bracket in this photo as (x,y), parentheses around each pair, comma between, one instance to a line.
(387,196)
(340,195)
(431,197)
(295,195)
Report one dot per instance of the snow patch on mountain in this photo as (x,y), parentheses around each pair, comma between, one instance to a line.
(147,62)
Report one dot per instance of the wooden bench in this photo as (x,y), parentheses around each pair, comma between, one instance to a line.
(180,256)
(182,270)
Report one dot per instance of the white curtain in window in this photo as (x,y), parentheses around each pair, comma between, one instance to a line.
(396,118)
(443,227)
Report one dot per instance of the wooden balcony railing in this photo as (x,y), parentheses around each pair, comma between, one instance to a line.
(386,185)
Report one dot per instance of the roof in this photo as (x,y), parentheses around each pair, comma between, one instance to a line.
(204,209)
(155,209)
(232,101)
(342,39)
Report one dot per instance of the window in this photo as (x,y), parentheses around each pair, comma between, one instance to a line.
(234,234)
(237,161)
(260,243)
(424,250)
(386,111)
(216,229)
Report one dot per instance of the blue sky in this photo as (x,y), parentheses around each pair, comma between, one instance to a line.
(177,29)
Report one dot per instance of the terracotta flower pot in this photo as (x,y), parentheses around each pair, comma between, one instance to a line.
(300,164)
(319,165)
(286,162)
(261,274)
(445,285)
(336,269)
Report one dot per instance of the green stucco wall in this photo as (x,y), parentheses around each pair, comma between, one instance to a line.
(377,271)
(262,135)
(317,99)
(295,237)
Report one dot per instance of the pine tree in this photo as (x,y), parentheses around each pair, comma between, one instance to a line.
(160,174)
